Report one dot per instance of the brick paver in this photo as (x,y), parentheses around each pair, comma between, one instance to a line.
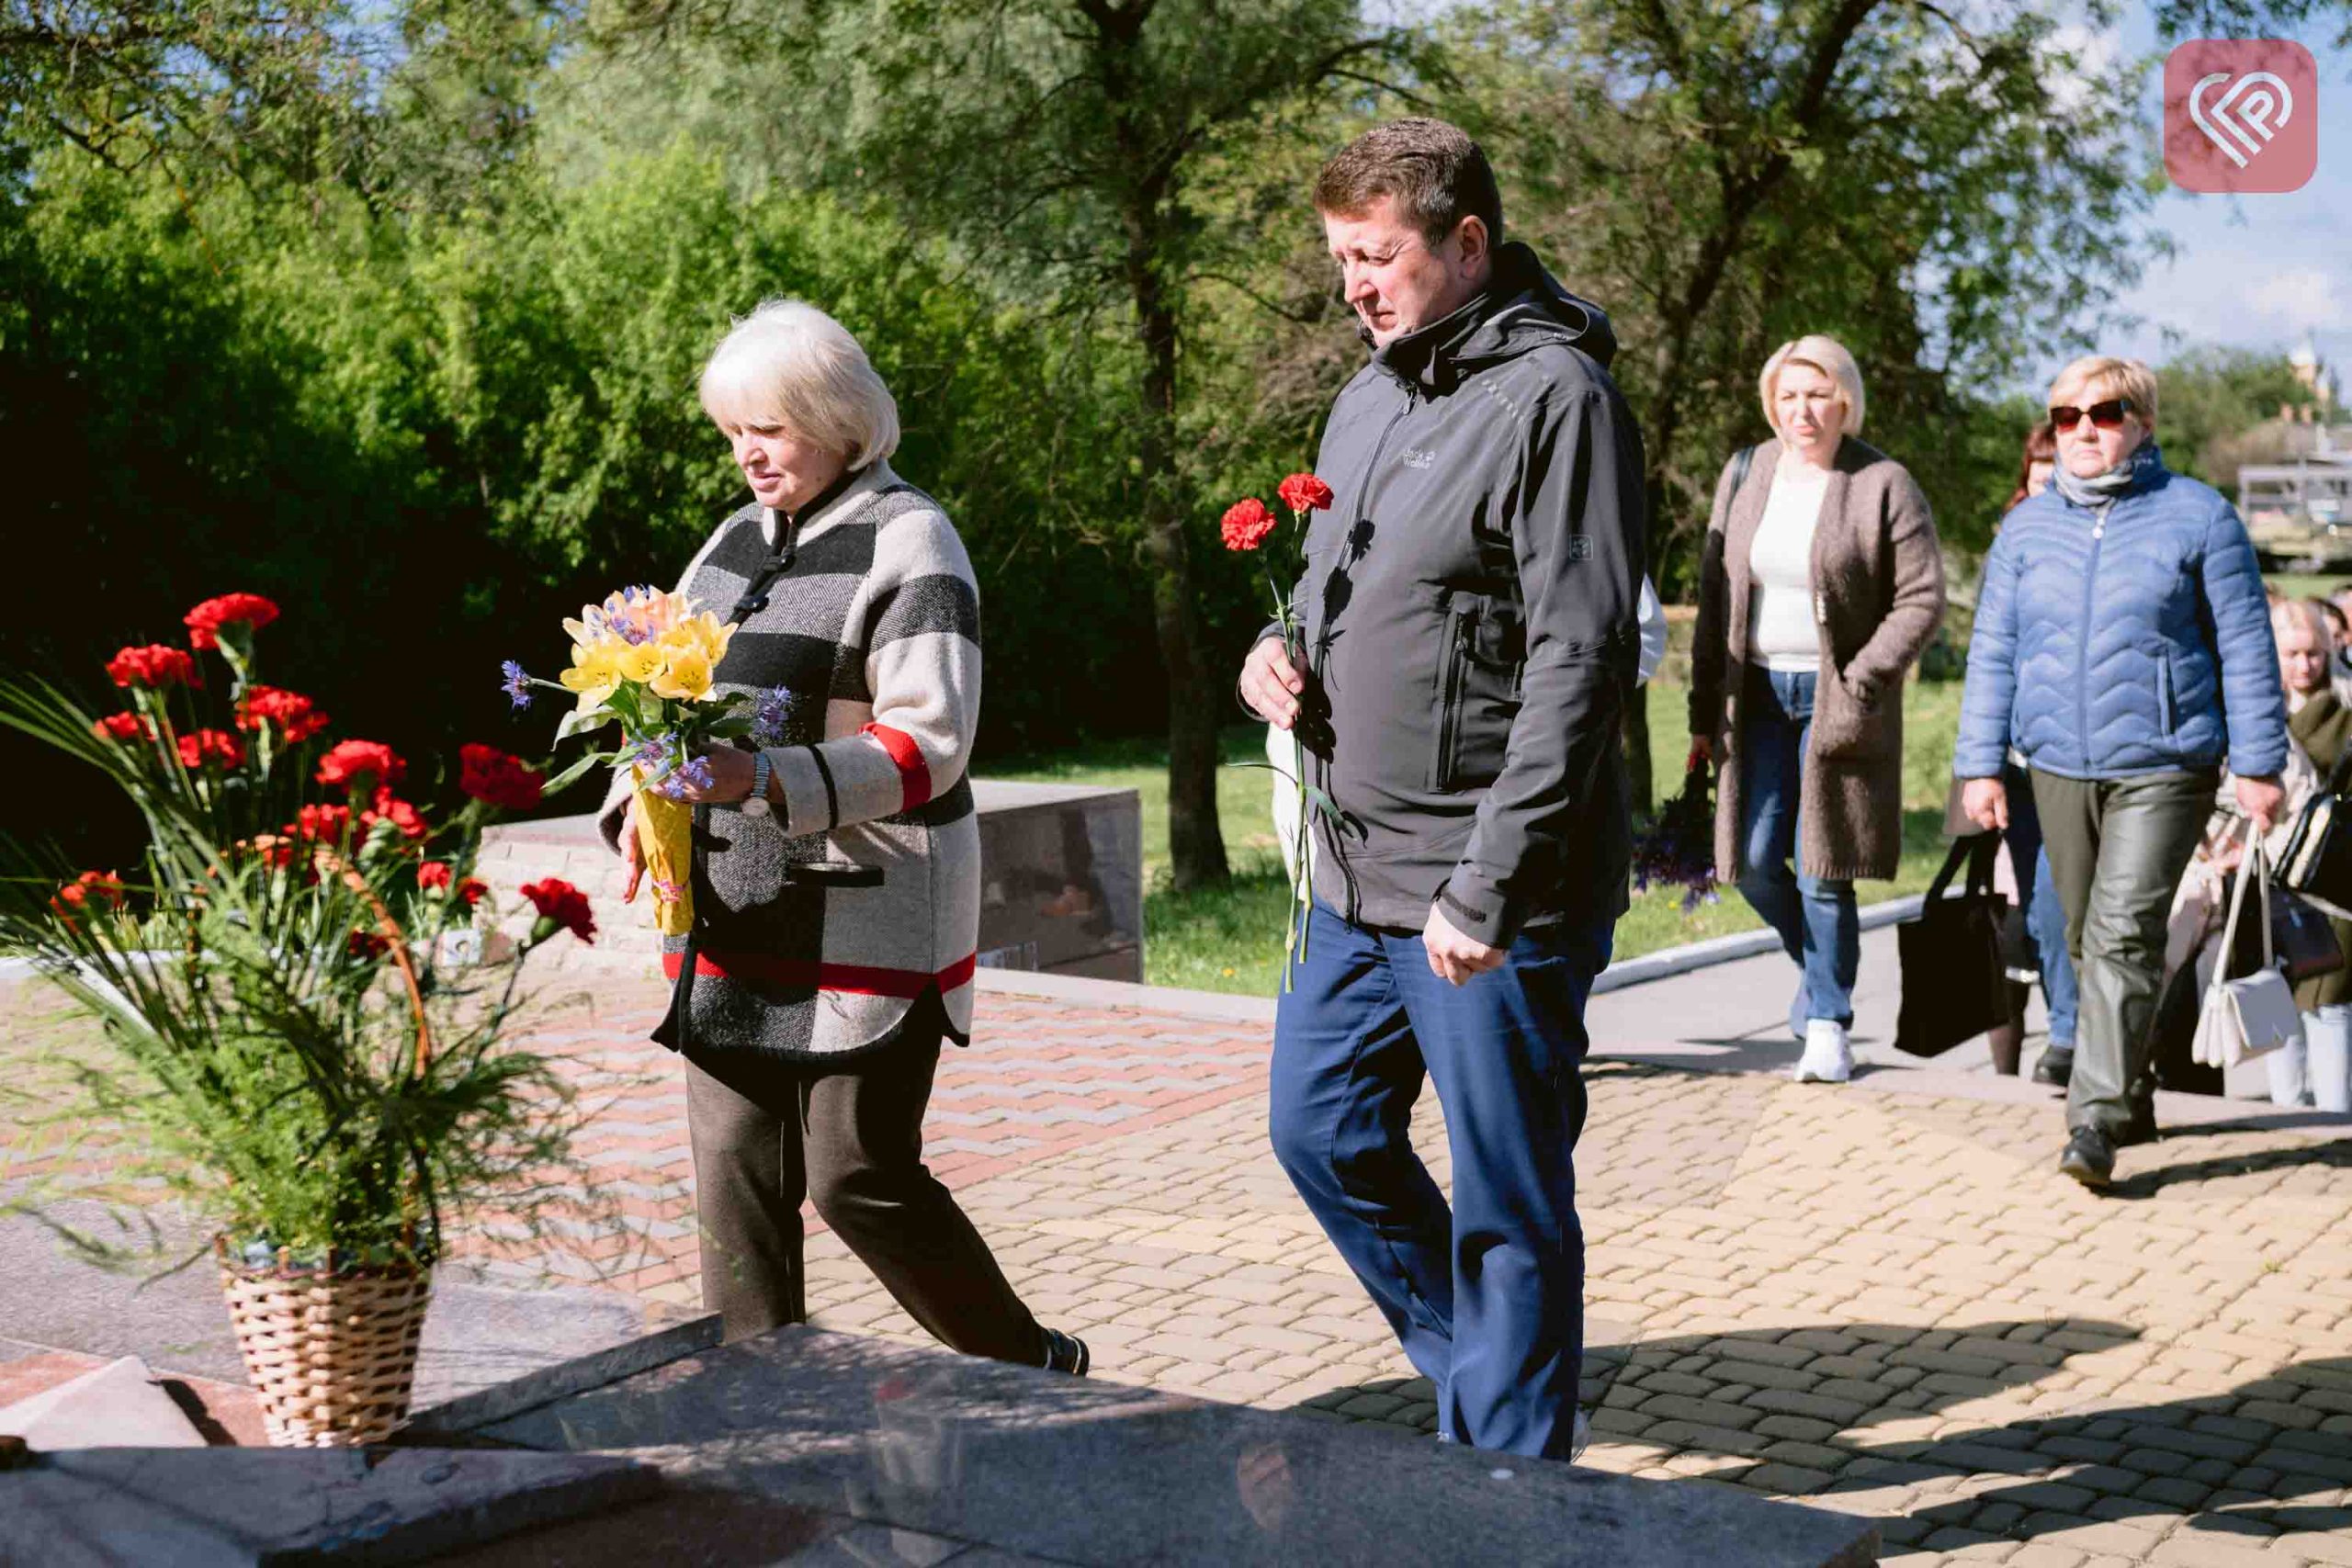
(1884,1303)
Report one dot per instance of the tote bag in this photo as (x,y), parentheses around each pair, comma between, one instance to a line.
(1955,986)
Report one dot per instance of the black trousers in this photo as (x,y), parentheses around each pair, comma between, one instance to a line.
(768,1133)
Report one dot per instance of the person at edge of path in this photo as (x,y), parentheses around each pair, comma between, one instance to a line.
(2045,913)
(2319,722)
(1469,609)
(836,868)
(2122,644)
(1820,584)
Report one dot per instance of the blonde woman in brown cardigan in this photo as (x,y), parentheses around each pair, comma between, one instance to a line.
(1821,582)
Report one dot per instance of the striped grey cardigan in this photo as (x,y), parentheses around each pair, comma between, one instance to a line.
(799,948)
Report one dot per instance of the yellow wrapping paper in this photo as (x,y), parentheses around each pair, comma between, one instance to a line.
(665,831)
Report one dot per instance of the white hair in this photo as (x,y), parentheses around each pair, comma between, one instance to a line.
(1825,355)
(789,364)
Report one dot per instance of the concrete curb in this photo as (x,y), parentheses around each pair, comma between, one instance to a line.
(1228,1007)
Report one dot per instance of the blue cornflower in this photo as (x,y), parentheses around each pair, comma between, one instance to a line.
(696,772)
(517,684)
(772,716)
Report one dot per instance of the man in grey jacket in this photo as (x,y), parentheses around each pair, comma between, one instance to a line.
(1469,623)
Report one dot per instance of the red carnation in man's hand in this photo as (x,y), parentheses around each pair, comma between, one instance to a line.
(1246,525)
(1304,492)
(152,667)
(561,907)
(491,775)
(204,622)
(361,764)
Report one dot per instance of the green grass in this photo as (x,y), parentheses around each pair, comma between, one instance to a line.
(1230,939)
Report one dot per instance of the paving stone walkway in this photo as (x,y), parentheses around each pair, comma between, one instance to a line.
(1880,1298)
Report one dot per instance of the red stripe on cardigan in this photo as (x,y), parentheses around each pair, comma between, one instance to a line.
(914,773)
(862,980)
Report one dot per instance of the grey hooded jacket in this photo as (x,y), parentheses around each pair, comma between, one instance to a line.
(1469,614)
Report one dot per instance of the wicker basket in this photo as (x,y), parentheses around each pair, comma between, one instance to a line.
(331,1356)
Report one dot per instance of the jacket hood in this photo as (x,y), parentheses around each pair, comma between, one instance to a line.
(1522,308)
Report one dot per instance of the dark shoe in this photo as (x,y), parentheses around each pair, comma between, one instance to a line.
(2056,1066)
(1066,1353)
(2090,1158)
(2140,1128)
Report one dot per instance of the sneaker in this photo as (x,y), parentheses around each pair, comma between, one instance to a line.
(1066,1353)
(1828,1054)
(2056,1066)
(2089,1159)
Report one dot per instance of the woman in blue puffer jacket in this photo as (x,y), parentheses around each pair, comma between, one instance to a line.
(2123,642)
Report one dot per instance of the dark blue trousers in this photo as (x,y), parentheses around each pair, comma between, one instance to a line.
(1487,1298)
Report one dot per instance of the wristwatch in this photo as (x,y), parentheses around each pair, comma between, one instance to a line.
(756,803)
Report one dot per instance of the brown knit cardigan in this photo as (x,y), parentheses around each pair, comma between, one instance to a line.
(1878,580)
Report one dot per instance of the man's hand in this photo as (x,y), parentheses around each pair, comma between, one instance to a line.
(2264,800)
(632,852)
(1703,753)
(1271,683)
(1985,801)
(1454,957)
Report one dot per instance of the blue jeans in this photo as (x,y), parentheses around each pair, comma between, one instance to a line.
(1814,917)
(2046,917)
(1485,1297)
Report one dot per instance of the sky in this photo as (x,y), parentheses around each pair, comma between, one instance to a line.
(2258,272)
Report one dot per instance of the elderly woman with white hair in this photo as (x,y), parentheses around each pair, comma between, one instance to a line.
(1821,582)
(2123,646)
(836,863)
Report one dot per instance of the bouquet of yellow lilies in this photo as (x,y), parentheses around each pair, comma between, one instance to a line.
(645,660)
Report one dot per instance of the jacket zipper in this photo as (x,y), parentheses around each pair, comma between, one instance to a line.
(2083,651)
(1363,513)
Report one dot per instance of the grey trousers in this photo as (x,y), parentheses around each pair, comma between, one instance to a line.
(766,1133)
(2117,849)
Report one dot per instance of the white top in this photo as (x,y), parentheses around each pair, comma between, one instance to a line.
(1781,630)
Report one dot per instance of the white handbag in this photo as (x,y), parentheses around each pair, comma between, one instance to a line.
(2255,1014)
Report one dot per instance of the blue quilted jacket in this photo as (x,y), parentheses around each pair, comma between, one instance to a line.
(2136,643)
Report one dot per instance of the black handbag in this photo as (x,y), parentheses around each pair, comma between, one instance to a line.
(1955,987)
(2302,941)
(2317,861)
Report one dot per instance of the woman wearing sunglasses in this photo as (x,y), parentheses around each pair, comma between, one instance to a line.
(2123,642)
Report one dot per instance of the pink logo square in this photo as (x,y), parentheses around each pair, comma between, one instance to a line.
(2241,114)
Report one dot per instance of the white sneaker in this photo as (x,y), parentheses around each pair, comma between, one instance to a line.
(1828,1054)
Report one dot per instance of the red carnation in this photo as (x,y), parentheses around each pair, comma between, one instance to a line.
(361,765)
(472,890)
(200,747)
(152,667)
(204,622)
(561,907)
(75,895)
(491,775)
(388,807)
(123,727)
(368,944)
(1246,525)
(433,874)
(321,824)
(297,717)
(1304,493)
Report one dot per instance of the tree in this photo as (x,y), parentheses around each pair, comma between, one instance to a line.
(1945,197)
(1088,151)
(2216,408)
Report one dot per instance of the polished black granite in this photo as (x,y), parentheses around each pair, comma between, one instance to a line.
(1031,1464)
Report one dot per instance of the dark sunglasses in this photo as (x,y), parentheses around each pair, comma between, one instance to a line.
(2107,415)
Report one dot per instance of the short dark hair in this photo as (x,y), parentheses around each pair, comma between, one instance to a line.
(1434,173)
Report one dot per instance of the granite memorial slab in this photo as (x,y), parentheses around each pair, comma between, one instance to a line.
(1035,1465)
(228,1507)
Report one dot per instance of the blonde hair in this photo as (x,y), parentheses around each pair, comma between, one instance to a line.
(791,365)
(2313,619)
(2125,377)
(1825,355)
